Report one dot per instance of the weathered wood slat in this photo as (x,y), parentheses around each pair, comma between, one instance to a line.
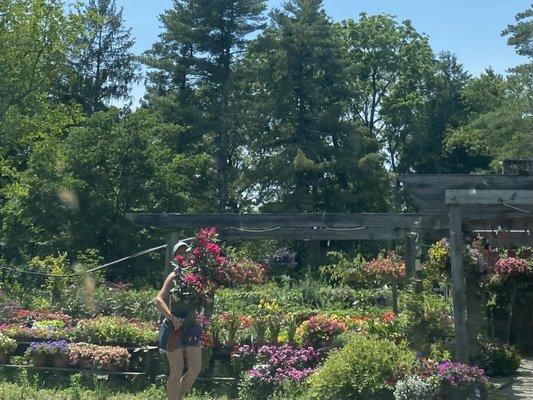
(428,191)
(475,196)
(426,181)
(518,222)
(291,220)
(316,234)
(509,239)
(458,284)
(73,370)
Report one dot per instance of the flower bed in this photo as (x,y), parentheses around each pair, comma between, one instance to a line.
(115,330)
(36,332)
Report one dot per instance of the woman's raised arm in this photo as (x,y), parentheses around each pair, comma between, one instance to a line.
(163,296)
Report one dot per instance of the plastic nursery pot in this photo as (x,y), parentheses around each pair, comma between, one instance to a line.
(39,360)
(85,363)
(111,367)
(60,361)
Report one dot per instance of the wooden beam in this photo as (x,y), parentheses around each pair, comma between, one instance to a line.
(314,234)
(291,220)
(492,222)
(428,191)
(458,284)
(475,196)
(506,239)
(171,242)
(410,256)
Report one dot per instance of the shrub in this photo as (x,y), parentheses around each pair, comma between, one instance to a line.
(365,369)
(247,272)
(416,388)
(41,315)
(7,345)
(498,358)
(344,270)
(38,332)
(115,330)
(120,301)
(428,319)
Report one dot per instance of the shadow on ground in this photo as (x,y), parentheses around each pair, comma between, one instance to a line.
(521,386)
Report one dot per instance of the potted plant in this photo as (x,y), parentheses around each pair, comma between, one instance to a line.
(110,358)
(461,381)
(48,353)
(7,346)
(81,355)
(59,354)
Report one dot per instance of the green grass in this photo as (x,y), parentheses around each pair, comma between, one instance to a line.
(16,391)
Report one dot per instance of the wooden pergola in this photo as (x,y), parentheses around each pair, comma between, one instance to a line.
(482,205)
(499,207)
(307,227)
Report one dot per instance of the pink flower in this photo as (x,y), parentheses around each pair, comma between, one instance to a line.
(510,267)
(213,248)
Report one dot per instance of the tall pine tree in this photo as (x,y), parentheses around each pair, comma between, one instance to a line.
(193,73)
(102,65)
(304,155)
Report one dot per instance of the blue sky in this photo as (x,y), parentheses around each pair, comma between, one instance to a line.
(469,28)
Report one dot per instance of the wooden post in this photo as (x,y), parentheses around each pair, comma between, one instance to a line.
(171,242)
(476,312)
(458,285)
(394,283)
(410,257)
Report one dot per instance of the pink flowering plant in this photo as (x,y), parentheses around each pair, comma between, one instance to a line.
(320,330)
(510,266)
(99,357)
(275,365)
(246,271)
(203,269)
(459,379)
(388,266)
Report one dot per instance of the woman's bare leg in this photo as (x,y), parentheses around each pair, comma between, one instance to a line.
(193,357)
(176,362)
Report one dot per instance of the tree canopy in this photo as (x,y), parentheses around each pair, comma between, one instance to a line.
(243,111)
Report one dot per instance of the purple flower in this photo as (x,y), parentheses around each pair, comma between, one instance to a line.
(50,348)
(461,375)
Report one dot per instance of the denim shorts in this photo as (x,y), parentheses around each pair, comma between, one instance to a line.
(190,335)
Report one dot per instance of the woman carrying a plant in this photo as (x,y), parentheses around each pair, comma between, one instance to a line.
(199,271)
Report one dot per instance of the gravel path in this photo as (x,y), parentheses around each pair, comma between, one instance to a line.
(521,387)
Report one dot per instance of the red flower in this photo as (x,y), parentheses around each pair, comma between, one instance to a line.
(388,317)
